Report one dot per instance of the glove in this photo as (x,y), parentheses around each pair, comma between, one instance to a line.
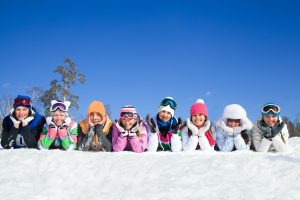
(122,130)
(266,130)
(52,133)
(62,132)
(277,128)
(202,130)
(17,124)
(192,127)
(151,124)
(177,125)
(98,129)
(134,129)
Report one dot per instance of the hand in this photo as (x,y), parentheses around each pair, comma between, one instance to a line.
(52,132)
(177,125)
(122,130)
(151,124)
(277,129)
(134,129)
(98,128)
(24,122)
(202,130)
(62,133)
(192,127)
(266,130)
(91,124)
(17,124)
(228,130)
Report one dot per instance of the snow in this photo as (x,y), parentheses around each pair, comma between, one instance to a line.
(55,174)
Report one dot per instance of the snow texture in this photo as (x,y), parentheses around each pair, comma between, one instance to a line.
(42,175)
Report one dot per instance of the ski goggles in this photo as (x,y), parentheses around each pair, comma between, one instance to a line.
(270,109)
(128,115)
(169,102)
(234,120)
(59,105)
(22,102)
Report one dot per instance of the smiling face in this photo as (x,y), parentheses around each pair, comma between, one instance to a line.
(164,115)
(128,122)
(96,118)
(270,119)
(59,117)
(21,112)
(232,123)
(198,119)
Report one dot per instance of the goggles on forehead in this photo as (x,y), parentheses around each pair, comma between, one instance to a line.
(58,105)
(169,102)
(22,102)
(129,115)
(270,109)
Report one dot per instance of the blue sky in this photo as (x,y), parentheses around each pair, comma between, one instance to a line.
(137,52)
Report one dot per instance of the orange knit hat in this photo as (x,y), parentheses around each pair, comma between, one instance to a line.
(96,106)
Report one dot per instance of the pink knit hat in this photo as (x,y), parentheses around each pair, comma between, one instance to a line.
(199,108)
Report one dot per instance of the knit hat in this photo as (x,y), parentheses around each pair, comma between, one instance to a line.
(166,106)
(234,111)
(61,105)
(128,109)
(22,100)
(199,108)
(98,107)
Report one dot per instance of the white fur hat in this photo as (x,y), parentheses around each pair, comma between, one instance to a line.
(234,111)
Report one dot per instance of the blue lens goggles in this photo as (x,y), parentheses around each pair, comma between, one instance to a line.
(169,102)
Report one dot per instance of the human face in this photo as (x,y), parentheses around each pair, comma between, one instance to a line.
(164,115)
(96,118)
(128,122)
(198,119)
(270,119)
(21,112)
(59,117)
(232,123)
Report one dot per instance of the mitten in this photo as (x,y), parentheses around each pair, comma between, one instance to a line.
(122,130)
(177,125)
(151,124)
(134,129)
(62,132)
(228,130)
(277,129)
(98,129)
(202,130)
(192,127)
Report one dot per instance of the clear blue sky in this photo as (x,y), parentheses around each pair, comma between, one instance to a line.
(137,52)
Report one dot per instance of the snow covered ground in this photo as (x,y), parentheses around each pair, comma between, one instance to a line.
(33,174)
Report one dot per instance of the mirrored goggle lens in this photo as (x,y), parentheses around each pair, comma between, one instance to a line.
(271,108)
(127,114)
(58,105)
(21,101)
(170,102)
(234,120)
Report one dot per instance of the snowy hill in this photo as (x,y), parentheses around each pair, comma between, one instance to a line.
(33,174)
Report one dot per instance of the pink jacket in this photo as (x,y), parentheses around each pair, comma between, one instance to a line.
(135,143)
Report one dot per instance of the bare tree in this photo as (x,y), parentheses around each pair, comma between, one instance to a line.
(36,93)
(6,103)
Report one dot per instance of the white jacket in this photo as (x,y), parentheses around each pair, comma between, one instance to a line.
(279,143)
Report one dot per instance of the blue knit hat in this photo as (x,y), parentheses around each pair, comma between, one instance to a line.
(22,100)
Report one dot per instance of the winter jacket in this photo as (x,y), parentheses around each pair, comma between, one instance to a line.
(277,144)
(22,137)
(136,142)
(63,137)
(191,142)
(163,140)
(230,139)
(95,138)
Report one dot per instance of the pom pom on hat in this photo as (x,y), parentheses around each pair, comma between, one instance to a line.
(199,108)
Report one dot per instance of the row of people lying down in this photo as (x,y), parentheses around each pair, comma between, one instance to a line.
(24,127)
